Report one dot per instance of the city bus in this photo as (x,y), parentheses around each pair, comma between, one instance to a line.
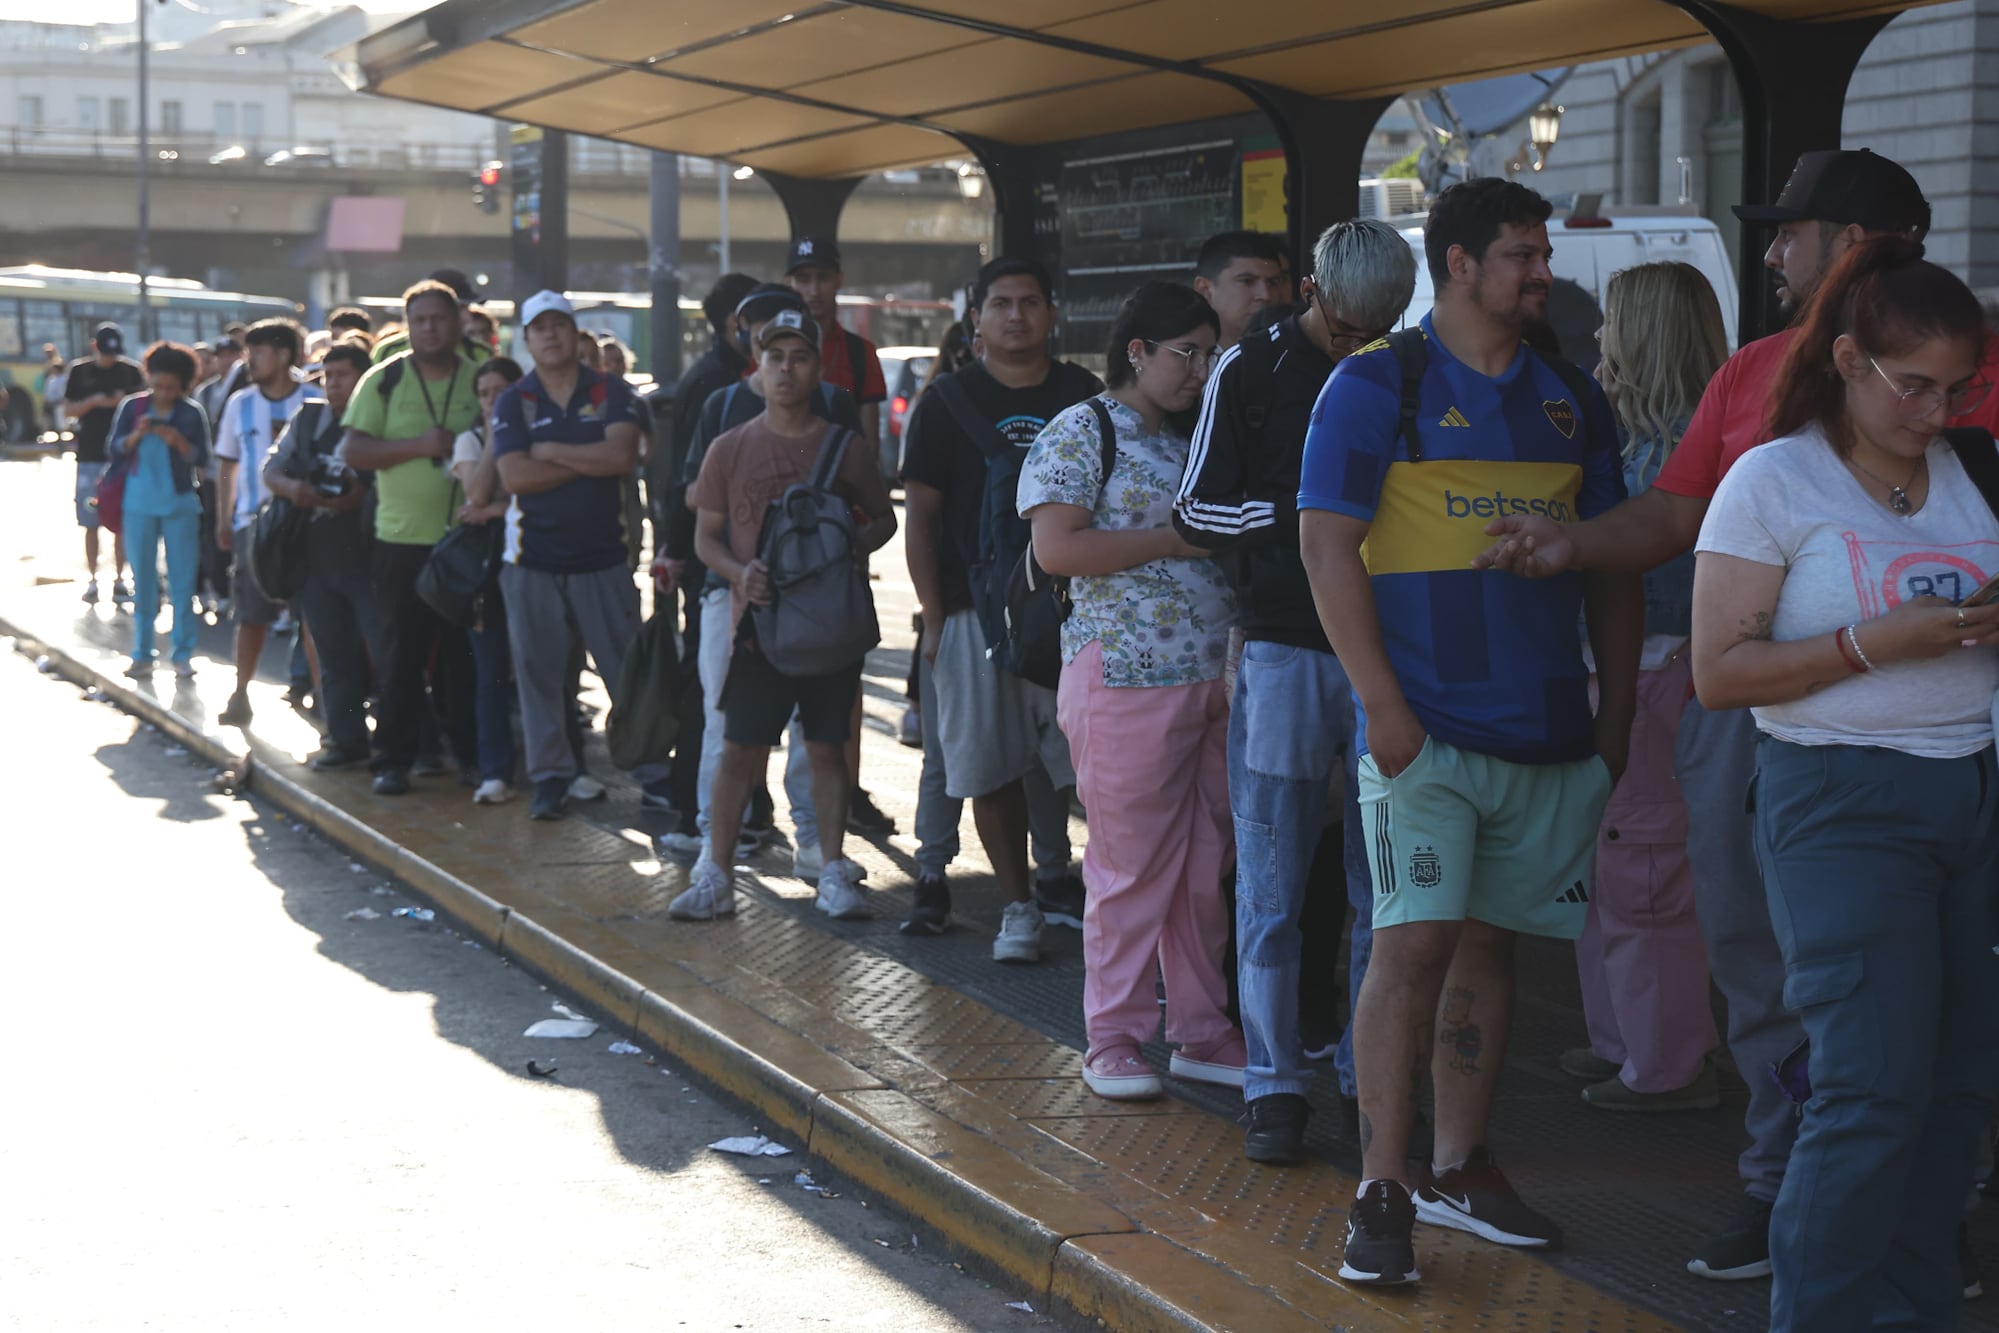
(41,306)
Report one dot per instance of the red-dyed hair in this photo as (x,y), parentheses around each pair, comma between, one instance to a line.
(1886,297)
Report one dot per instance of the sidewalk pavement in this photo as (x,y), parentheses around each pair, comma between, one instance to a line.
(923,1071)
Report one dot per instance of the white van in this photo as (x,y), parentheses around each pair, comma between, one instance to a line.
(1587,251)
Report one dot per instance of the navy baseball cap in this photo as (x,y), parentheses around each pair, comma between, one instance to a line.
(813,252)
(110,339)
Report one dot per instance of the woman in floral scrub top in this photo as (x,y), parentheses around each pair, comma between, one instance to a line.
(1142,700)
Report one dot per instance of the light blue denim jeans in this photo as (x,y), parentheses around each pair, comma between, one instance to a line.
(1290,730)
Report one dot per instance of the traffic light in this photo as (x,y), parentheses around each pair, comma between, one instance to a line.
(486,187)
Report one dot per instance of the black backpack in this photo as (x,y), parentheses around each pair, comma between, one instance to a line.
(1003,533)
(1037,602)
(1412,355)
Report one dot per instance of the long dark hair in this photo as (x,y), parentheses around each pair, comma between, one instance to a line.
(1156,312)
(1886,297)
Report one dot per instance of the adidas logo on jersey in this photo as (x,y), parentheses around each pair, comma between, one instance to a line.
(1454,418)
(1575,893)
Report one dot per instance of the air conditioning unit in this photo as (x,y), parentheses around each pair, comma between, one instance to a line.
(1391,198)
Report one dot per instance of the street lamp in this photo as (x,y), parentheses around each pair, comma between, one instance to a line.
(971,180)
(1544,126)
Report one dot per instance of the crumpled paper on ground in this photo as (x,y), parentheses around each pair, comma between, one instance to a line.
(561,1027)
(750,1145)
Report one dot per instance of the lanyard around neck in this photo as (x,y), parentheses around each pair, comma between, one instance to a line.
(437,418)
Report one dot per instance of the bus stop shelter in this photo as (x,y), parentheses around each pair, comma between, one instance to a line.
(815,97)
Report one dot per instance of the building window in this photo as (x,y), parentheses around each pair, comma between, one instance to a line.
(30,113)
(225,120)
(86,113)
(121,116)
(170,117)
(253,120)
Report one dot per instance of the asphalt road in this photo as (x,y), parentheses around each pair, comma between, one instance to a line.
(229,1104)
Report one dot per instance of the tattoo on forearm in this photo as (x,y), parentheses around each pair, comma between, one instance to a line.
(1366,1132)
(1754,628)
(1458,1034)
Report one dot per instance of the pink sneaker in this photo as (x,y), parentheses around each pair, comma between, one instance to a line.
(1219,1062)
(1120,1074)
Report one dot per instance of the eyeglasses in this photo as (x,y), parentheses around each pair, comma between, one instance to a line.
(1916,404)
(1343,337)
(1199,360)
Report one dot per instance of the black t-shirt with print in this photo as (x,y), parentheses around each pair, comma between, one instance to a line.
(87,379)
(940,455)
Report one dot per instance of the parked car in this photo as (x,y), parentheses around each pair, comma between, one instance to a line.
(903,369)
(1587,251)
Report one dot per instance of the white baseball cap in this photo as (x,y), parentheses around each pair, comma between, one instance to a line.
(544,301)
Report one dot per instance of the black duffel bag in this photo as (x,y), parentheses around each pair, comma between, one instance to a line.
(456,579)
(277,549)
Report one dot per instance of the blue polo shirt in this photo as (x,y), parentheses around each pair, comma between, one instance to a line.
(1489,662)
(579,526)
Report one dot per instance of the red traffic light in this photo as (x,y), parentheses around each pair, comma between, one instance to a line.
(489,176)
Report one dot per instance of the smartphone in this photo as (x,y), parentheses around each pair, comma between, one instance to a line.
(1985,593)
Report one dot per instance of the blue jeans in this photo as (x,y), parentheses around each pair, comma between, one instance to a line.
(145,533)
(1290,729)
(1880,869)
(492,702)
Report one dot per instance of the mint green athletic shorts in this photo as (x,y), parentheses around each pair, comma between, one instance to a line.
(1459,834)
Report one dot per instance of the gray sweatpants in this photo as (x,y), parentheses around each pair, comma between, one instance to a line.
(547,614)
(1716,758)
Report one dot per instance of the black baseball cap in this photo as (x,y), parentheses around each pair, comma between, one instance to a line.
(813,252)
(456,280)
(766,301)
(110,339)
(1847,186)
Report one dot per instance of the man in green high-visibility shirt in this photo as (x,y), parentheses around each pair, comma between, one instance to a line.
(401,424)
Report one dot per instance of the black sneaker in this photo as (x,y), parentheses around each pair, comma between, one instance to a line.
(1475,1197)
(1276,1128)
(121,592)
(866,818)
(392,782)
(1742,1251)
(1967,1264)
(331,757)
(1060,900)
(551,799)
(237,714)
(932,912)
(1381,1237)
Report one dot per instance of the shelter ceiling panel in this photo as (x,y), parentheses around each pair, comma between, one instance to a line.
(729,129)
(882,148)
(476,76)
(636,30)
(1034,14)
(1102,108)
(611,103)
(1536,34)
(1204,30)
(985,71)
(816,45)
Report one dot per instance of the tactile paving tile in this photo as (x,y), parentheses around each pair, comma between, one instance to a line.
(1038,1099)
(962,1063)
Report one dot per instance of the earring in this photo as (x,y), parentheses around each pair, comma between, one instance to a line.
(1133,356)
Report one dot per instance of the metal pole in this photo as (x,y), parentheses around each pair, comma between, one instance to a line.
(722,204)
(142,247)
(665,330)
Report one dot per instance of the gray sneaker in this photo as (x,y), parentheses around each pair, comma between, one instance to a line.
(1019,939)
(712,894)
(840,895)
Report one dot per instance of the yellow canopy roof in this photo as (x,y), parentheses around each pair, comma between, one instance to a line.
(856,86)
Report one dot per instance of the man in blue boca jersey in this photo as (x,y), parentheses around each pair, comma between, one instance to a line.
(1483,773)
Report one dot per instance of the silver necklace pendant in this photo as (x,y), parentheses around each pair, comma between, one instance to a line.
(1898,500)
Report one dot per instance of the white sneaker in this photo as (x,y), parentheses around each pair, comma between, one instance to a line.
(808,862)
(1019,939)
(583,787)
(840,896)
(712,894)
(492,792)
(684,848)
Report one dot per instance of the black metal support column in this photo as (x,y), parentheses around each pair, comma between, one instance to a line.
(814,206)
(1010,171)
(1324,142)
(664,333)
(1793,78)
(554,249)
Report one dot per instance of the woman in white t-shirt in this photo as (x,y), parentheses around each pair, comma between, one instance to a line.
(1827,597)
(486,502)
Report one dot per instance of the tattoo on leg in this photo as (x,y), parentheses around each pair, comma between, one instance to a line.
(1419,1061)
(1458,1034)
(1366,1132)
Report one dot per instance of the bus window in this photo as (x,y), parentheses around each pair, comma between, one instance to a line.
(11,343)
(42,322)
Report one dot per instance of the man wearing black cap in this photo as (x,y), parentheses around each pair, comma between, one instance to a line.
(813,270)
(96,385)
(1834,199)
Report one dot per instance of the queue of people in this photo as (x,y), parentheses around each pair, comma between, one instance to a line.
(1402,640)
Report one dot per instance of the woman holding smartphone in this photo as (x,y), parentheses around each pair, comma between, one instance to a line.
(1825,599)
(170,436)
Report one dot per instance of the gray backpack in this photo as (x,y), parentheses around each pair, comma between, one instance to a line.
(821,617)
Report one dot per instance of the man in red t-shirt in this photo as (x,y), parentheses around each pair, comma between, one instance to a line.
(1833,200)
